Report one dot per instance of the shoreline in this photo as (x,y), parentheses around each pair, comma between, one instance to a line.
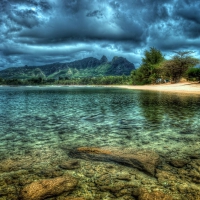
(184,88)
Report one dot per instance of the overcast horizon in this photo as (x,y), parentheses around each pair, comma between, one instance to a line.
(38,32)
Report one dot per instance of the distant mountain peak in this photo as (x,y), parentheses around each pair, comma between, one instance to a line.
(104,59)
(118,58)
(87,67)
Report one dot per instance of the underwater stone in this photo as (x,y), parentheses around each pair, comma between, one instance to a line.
(74,198)
(71,164)
(42,189)
(104,180)
(195,156)
(124,177)
(179,162)
(143,160)
(164,176)
(157,195)
(195,174)
(49,173)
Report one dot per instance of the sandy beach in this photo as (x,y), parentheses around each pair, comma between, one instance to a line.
(184,88)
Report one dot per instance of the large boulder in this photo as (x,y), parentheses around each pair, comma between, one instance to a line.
(141,159)
(42,189)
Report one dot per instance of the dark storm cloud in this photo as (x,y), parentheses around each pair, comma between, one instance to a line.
(40,31)
(25,18)
(95,13)
(190,14)
(189,17)
(45,6)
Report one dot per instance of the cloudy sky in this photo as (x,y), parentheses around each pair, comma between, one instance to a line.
(35,32)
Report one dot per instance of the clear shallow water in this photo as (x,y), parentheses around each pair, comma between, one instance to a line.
(43,123)
(33,117)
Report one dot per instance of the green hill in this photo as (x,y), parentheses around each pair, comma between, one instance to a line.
(88,67)
(21,73)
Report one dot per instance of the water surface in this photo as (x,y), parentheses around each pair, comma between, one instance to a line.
(44,123)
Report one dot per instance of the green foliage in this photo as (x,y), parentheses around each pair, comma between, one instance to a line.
(193,74)
(152,57)
(154,67)
(138,77)
(22,73)
(12,82)
(149,70)
(104,80)
(36,80)
(176,67)
(1,80)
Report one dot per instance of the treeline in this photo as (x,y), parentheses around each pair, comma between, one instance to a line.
(156,69)
(105,80)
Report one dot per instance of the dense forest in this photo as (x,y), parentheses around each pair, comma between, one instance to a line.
(154,69)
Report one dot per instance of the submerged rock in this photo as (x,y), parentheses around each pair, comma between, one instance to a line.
(71,164)
(42,189)
(141,159)
(157,195)
(195,174)
(74,198)
(124,177)
(176,162)
(164,177)
(195,156)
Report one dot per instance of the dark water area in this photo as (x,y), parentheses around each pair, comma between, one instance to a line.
(40,126)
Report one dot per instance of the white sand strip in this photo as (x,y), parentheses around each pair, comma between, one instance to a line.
(185,87)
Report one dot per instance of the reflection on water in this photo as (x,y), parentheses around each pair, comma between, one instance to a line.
(170,109)
(40,125)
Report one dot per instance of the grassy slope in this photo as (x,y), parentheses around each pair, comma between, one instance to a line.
(89,67)
(75,73)
(22,73)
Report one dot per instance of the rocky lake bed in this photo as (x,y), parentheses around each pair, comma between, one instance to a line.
(141,175)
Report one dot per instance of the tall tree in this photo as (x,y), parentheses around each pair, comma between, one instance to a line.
(175,68)
(148,72)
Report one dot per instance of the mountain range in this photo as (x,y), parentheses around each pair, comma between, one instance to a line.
(87,67)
